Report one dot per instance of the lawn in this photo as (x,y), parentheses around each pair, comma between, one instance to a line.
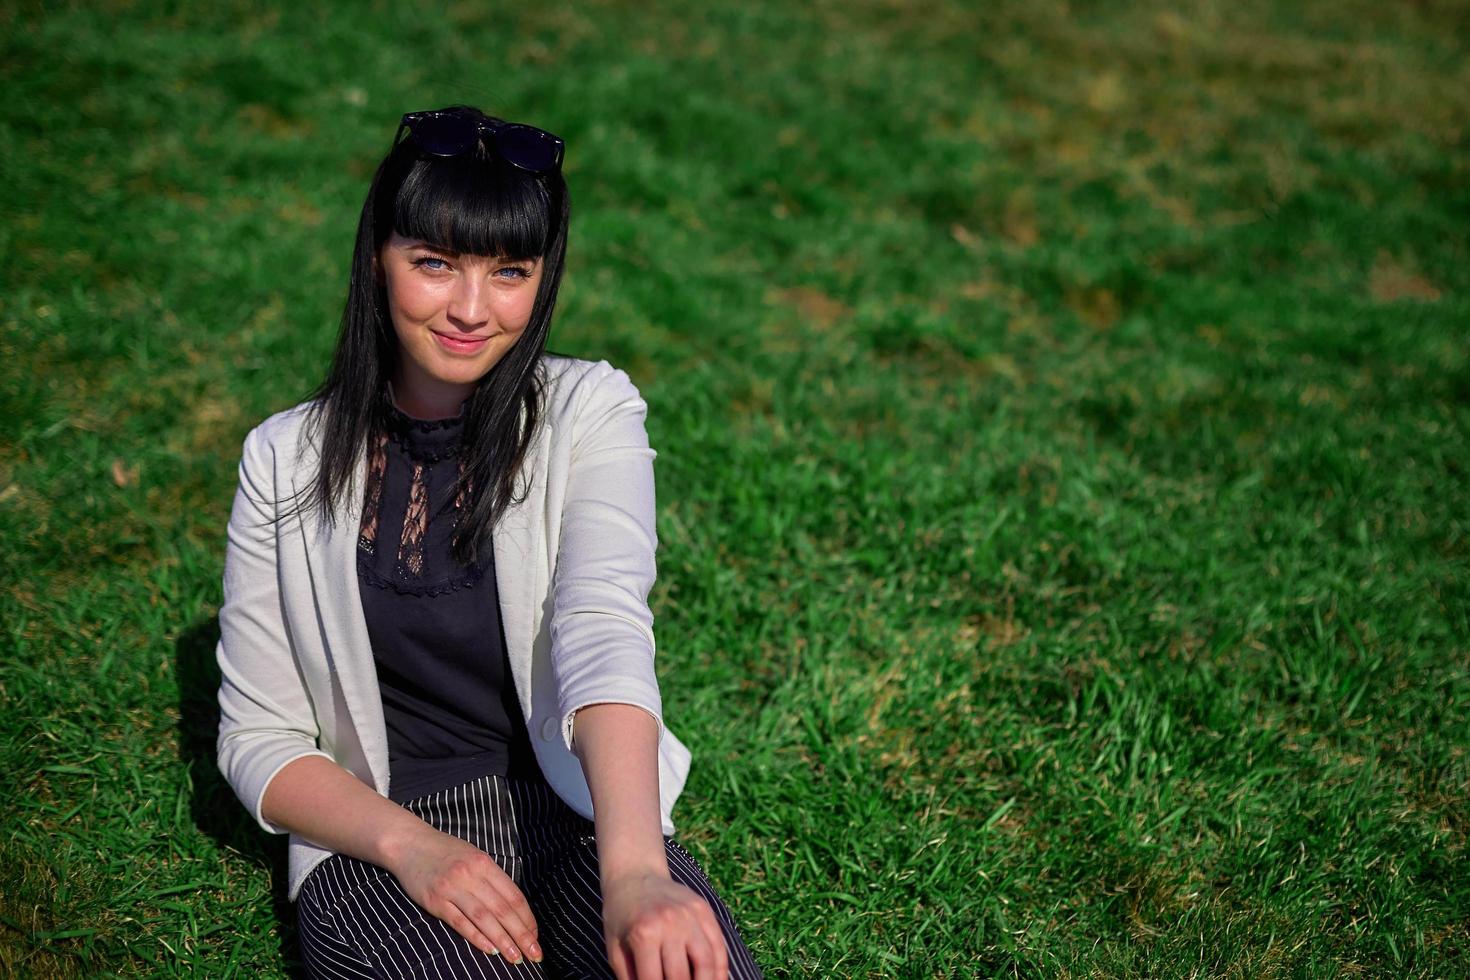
(1063,417)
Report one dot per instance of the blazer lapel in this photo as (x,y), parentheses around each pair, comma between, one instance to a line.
(331,554)
(515,580)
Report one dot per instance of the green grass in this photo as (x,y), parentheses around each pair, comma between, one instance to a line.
(1063,415)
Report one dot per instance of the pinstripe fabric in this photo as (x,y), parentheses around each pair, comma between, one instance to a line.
(355,921)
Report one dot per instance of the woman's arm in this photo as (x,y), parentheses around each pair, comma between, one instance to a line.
(618,747)
(602,653)
(450,878)
(652,924)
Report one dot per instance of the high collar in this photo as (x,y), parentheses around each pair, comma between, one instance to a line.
(424,438)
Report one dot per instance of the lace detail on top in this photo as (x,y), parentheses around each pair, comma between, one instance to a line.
(367,535)
(471,578)
(416,449)
(418,453)
(415,526)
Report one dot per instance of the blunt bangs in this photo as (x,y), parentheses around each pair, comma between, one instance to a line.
(476,206)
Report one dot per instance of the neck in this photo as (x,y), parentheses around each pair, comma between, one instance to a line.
(427,398)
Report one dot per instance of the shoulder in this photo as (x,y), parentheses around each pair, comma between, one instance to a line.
(576,387)
(280,436)
(592,403)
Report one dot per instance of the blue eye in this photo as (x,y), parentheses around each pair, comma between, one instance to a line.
(515,272)
(422,262)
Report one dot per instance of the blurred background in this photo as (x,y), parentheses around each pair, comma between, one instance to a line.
(1062,414)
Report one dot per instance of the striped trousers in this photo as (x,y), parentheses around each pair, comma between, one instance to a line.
(355,921)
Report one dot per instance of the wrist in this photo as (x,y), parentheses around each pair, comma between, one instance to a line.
(626,849)
(625,853)
(611,872)
(397,839)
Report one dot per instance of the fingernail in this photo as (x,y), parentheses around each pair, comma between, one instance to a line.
(535,951)
(512,955)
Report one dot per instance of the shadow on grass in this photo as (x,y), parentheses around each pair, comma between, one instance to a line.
(214,807)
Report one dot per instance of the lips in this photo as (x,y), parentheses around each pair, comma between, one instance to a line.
(459,343)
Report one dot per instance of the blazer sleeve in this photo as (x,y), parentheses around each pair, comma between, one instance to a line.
(602,647)
(266,716)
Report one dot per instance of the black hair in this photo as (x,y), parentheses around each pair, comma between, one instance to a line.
(475,204)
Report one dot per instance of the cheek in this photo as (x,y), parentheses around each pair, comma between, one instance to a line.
(413,300)
(515,313)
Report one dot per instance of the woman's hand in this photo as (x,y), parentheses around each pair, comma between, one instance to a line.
(658,929)
(457,882)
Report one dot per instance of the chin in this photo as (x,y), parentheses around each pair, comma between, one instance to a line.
(464,376)
(464,372)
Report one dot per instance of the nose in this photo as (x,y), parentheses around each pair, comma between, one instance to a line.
(469,304)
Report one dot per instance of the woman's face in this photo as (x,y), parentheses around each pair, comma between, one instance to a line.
(455,317)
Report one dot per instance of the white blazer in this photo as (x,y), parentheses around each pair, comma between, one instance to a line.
(574,563)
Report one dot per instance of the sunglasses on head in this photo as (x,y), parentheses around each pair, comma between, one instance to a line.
(452,132)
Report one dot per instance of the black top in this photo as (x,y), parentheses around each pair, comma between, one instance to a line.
(449,698)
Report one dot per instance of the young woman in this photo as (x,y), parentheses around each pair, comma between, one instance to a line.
(435,644)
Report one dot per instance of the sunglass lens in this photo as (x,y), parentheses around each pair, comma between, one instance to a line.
(527,147)
(445,135)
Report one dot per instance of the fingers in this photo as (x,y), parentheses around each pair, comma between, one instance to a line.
(676,959)
(513,912)
(698,949)
(481,903)
(719,960)
(680,944)
(620,961)
(647,959)
(512,943)
(500,910)
(462,925)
